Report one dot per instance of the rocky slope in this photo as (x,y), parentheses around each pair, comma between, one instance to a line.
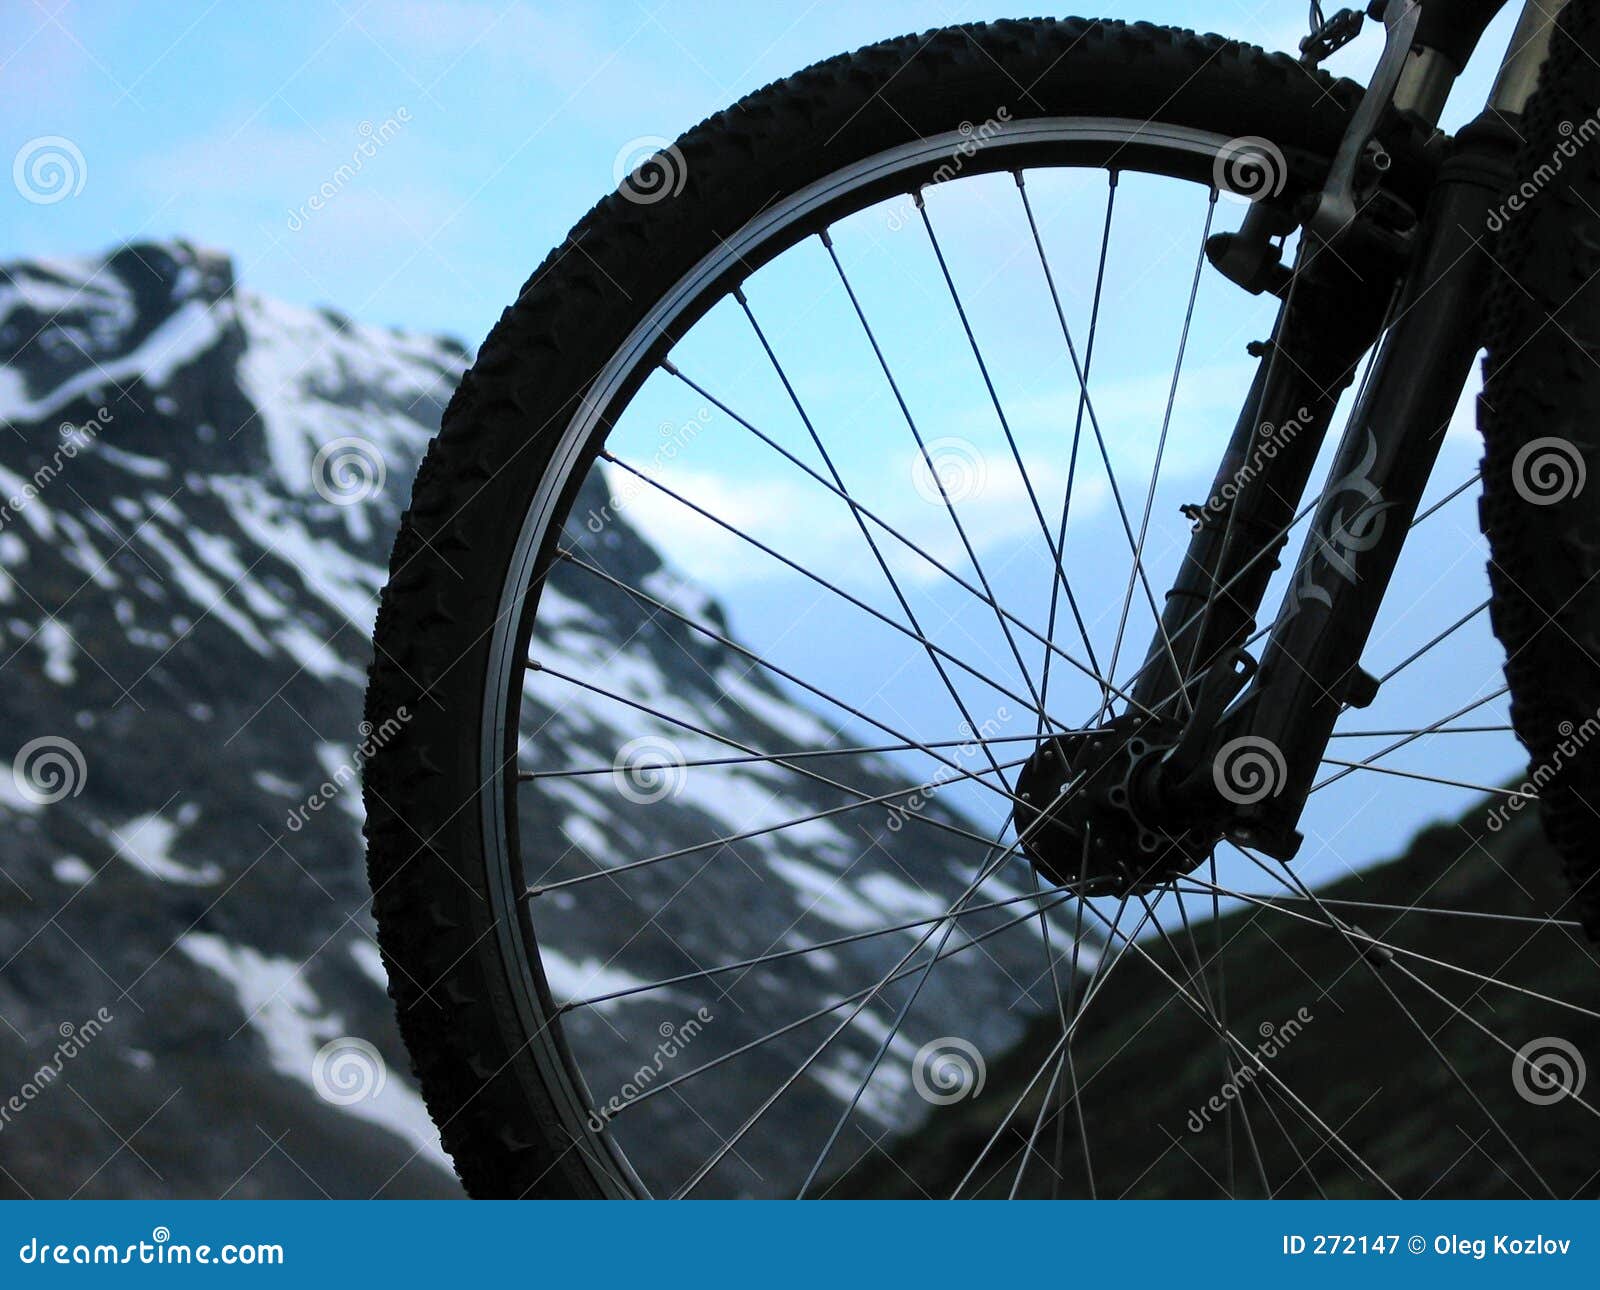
(200,489)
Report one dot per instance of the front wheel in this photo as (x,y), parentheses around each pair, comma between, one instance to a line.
(912,360)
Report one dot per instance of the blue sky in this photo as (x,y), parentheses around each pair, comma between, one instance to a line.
(495,126)
(215,120)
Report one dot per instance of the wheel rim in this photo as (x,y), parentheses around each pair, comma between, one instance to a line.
(1187,154)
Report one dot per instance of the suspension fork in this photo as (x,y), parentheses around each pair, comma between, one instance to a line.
(1284,710)
(1310,668)
(1326,324)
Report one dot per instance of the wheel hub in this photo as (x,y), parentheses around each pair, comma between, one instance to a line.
(1087,816)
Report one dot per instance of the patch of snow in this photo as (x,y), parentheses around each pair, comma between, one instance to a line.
(146,843)
(71,870)
(283,1009)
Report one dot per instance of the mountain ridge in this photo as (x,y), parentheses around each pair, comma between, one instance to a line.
(186,598)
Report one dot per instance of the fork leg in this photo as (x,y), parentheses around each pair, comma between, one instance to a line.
(1310,668)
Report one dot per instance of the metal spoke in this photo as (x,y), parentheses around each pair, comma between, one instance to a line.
(1061,1014)
(728,642)
(922,447)
(540,889)
(865,799)
(1377,972)
(984,871)
(794,754)
(1094,421)
(777,956)
(1155,470)
(1197,977)
(1072,461)
(1218,1009)
(1431,779)
(1101,975)
(1373,942)
(1571,924)
(1444,730)
(856,600)
(855,511)
(1060,582)
(1448,497)
(900,972)
(1444,635)
(864,512)
(1411,738)
(1331,1134)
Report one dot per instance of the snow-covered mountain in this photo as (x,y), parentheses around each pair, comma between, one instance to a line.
(200,487)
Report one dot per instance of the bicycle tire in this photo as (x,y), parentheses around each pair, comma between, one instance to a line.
(1540,418)
(498,1117)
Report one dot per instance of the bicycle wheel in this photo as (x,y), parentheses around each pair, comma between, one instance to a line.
(669,884)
